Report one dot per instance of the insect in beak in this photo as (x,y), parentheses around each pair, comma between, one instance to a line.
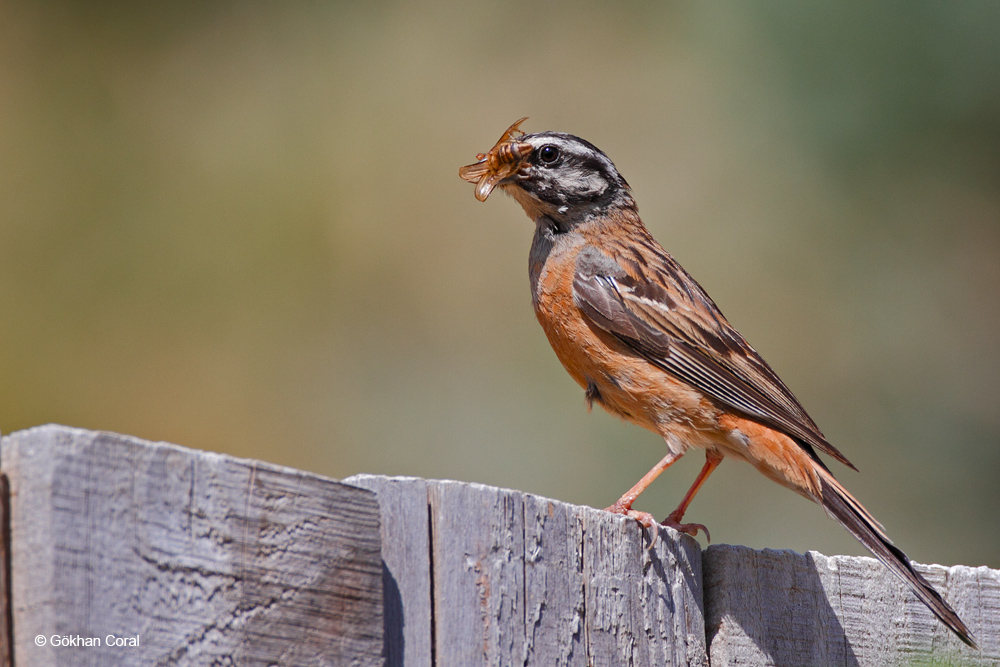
(505,159)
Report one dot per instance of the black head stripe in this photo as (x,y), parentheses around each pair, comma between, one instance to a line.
(582,176)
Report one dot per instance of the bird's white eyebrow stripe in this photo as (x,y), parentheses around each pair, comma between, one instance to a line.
(576,147)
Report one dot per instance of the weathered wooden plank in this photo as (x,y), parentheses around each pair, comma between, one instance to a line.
(783,608)
(478,564)
(201,558)
(510,578)
(555,592)
(206,559)
(525,580)
(644,602)
(406,574)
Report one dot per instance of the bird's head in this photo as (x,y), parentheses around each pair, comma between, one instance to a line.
(553,175)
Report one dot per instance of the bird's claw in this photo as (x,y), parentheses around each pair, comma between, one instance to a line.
(686,528)
(644,518)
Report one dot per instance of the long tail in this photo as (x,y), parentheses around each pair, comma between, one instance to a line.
(843,507)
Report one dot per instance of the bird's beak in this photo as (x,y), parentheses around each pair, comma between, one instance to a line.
(505,159)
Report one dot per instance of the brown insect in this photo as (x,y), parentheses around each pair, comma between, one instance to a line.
(502,161)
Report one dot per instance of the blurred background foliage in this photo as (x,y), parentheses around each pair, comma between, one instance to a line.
(239,227)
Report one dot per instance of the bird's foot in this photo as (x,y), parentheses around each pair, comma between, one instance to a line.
(645,518)
(673,521)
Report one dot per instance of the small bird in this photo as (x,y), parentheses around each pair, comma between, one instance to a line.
(647,344)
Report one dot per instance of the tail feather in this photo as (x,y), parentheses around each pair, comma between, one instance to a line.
(843,507)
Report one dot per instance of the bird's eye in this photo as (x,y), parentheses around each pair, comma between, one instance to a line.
(549,154)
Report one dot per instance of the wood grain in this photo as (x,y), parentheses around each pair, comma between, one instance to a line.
(204,558)
(406,568)
(515,579)
(783,608)
(207,559)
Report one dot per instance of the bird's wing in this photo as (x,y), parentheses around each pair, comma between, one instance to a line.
(661,313)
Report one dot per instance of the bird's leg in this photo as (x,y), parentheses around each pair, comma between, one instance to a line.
(712,461)
(624,504)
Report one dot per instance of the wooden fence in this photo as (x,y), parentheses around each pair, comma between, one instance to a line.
(118,551)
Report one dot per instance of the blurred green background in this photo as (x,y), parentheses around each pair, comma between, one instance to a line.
(240,227)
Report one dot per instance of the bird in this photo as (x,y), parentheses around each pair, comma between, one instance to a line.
(646,343)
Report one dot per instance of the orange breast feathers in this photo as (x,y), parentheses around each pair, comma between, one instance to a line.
(615,377)
(629,386)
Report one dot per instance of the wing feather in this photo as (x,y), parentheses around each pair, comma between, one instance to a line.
(673,323)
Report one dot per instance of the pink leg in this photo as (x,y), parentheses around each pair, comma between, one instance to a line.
(624,504)
(712,461)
